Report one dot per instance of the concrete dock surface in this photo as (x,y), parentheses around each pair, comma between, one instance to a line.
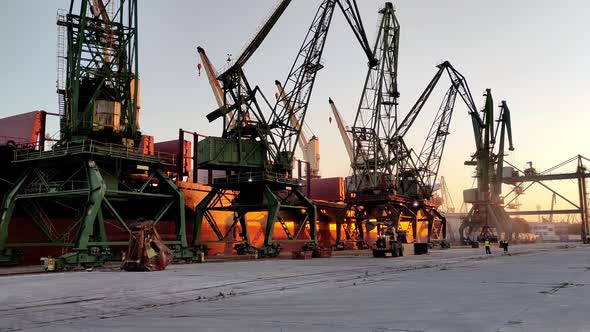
(540,287)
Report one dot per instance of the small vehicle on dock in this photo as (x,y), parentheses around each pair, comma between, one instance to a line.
(387,244)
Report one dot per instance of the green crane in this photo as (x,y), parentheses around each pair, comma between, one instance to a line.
(391,184)
(100,97)
(487,212)
(95,179)
(259,139)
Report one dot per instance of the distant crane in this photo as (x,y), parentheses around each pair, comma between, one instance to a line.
(553,201)
(530,176)
(487,210)
(344,131)
(447,205)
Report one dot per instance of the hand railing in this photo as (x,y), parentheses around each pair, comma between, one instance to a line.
(255,177)
(91,146)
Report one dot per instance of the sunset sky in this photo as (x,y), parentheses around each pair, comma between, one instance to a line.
(533,53)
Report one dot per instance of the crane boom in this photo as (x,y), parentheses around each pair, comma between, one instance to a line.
(429,159)
(430,156)
(212,77)
(343,132)
(215,86)
(446,196)
(376,116)
(253,45)
(303,141)
(353,17)
(99,11)
(310,147)
(277,131)
(298,86)
(505,127)
(462,88)
(301,78)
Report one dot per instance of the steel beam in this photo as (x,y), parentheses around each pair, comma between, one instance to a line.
(544,177)
(541,212)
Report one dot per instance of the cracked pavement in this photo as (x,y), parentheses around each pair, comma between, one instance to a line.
(541,287)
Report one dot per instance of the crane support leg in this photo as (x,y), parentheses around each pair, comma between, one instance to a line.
(200,211)
(311,215)
(96,192)
(583,205)
(273,205)
(8,255)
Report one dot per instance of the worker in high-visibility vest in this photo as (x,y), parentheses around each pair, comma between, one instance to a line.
(486,244)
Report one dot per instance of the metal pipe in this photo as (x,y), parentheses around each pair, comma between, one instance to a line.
(583,204)
(41,139)
(195,158)
(308,176)
(180,161)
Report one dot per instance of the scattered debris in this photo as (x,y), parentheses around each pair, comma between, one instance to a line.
(300,254)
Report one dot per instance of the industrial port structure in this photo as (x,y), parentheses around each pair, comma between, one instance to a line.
(77,199)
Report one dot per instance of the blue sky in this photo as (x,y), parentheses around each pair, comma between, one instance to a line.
(533,53)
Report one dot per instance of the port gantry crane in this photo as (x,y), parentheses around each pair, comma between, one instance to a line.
(487,211)
(95,179)
(390,183)
(517,178)
(258,151)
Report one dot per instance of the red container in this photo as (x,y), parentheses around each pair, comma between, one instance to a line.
(171,147)
(146,145)
(327,189)
(22,128)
